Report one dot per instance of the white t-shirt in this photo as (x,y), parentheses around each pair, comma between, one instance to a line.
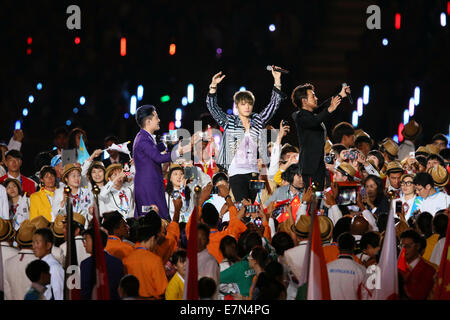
(434,203)
(245,160)
(347,279)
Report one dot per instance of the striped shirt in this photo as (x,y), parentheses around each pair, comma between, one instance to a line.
(234,131)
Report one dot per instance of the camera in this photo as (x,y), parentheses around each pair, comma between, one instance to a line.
(256,185)
(319,194)
(285,123)
(329,158)
(258,222)
(190,173)
(398,206)
(251,209)
(351,155)
(175,194)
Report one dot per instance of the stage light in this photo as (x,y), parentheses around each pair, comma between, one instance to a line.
(184,101)
(272,28)
(230,111)
(171,125)
(18,125)
(172,49)
(140,92)
(165,98)
(177,124)
(190,93)
(77,40)
(30,99)
(178,114)
(242,88)
(39,86)
(405,116)
(385,42)
(398,21)
(25,112)
(417,96)
(75,110)
(126,115)
(355,118)
(133,105)
(448,11)
(68,123)
(400,130)
(82,100)
(29,40)
(366,93)
(359,107)
(123,47)
(411,107)
(28,51)
(219,51)
(395,138)
(443,19)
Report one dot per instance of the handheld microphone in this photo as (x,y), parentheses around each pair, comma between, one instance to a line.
(269,68)
(349,96)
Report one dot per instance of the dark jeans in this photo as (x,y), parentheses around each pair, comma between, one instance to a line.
(318,178)
(240,185)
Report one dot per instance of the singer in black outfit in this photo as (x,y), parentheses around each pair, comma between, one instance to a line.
(311,131)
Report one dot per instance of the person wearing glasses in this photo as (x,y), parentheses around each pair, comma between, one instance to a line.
(407,198)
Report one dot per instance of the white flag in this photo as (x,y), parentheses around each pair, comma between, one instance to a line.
(121,147)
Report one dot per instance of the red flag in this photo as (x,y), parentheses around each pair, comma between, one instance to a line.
(442,291)
(191,284)
(402,265)
(211,166)
(318,283)
(284,215)
(295,204)
(101,288)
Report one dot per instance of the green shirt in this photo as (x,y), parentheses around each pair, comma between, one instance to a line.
(241,274)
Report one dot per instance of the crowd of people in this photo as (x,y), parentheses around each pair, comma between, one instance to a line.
(253,216)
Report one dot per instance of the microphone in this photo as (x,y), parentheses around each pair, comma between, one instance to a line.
(349,96)
(269,68)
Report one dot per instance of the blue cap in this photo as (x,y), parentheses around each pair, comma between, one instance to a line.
(55,160)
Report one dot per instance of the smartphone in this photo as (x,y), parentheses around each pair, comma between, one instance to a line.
(256,185)
(251,209)
(363,191)
(398,206)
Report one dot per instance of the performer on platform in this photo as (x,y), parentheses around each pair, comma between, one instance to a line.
(148,157)
(242,134)
(311,131)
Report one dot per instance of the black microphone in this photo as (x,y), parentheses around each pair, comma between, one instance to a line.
(349,96)
(269,68)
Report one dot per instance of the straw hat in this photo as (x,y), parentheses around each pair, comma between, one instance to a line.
(411,130)
(68,168)
(390,146)
(57,226)
(432,149)
(301,228)
(24,236)
(111,168)
(40,222)
(327,147)
(347,169)
(440,175)
(422,151)
(6,230)
(393,167)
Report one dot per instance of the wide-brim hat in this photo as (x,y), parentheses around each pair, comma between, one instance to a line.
(359,225)
(111,168)
(411,130)
(422,151)
(6,230)
(24,236)
(302,227)
(40,222)
(68,168)
(393,167)
(57,226)
(440,175)
(346,168)
(432,149)
(327,147)
(390,146)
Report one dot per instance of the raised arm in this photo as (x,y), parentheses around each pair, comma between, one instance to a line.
(211,101)
(275,99)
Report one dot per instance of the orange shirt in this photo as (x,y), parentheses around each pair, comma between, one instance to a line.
(331,253)
(118,248)
(235,228)
(149,269)
(170,244)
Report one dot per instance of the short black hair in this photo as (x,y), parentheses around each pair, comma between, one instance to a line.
(252,240)
(412,234)
(206,288)
(382,222)
(145,232)
(179,255)
(299,93)
(421,159)
(130,285)
(436,157)
(35,269)
(440,222)
(133,224)
(287,148)
(210,215)
(346,242)
(204,228)
(46,234)
(440,136)
(371,238)
(379,156)
(46,169)
(143,113)
(423,179)
(91,233)
(282,241)
(111,221)
(338,148)
(290,173)
(219,176)
(342,129)
(15,154)
(341,226)
(261,256)
(151,219)
(363,139)
(112,138)
(424,222)
(226,242)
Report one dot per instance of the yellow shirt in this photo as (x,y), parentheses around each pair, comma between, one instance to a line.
(40,204)
(277,177)
(174,290)
(431,242)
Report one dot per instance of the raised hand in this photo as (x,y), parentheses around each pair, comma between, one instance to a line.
(335,102)
(345,91)
(216,79)
(276,76)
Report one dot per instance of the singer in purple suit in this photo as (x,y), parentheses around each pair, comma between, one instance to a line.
(148,181)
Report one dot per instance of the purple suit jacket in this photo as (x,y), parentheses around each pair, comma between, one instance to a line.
(148,181)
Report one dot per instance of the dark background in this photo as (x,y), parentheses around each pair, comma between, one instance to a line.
(322,42)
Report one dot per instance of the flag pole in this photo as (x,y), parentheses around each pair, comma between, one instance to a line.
(71,255)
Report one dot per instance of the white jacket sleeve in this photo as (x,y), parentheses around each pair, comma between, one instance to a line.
(301,211)
(14,145)
(334,213)
(371,219)
(4,206)
(274,161)
(272,227)
(371,170)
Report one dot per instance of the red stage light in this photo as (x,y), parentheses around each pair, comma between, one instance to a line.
(448,8)
(29,40)
(172,49)
(77,40)
(400,129)
(398,21)
(123,47)
(171,125)
(28,51)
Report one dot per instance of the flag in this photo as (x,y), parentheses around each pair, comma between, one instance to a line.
(318,284)
(83,155)
(191,284)
(284,215)
(388,266)
(295,204)
(210,168)
(101,288)
(442,289)
(402,265)
(120,147)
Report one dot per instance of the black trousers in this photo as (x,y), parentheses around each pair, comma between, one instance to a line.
(240,185)
(317,177)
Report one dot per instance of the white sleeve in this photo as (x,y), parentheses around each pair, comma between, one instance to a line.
(301,211)
(334,213)
(4,205)
(204,179)
(14,145)
(56,204)
(57,282)
(85,168)
(371,219)
(274,161)
(371,170)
